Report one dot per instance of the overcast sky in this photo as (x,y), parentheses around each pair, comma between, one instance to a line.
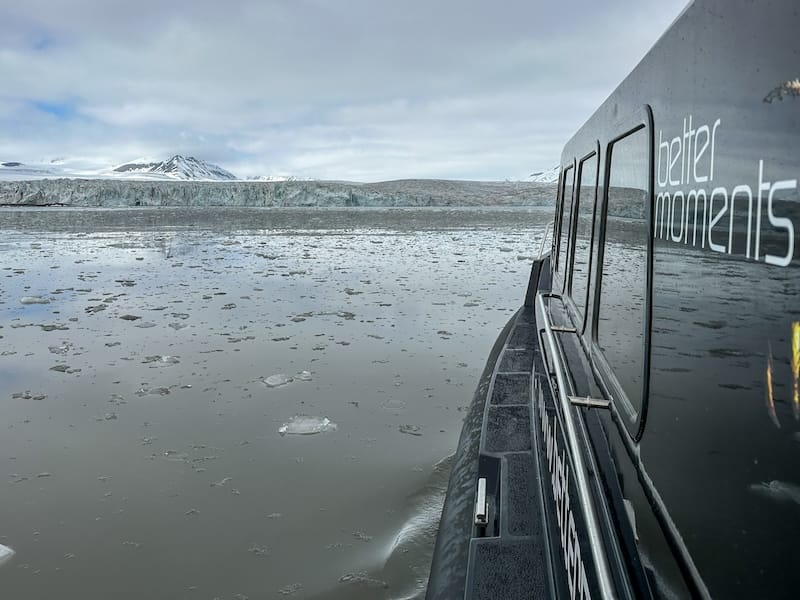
(349,89)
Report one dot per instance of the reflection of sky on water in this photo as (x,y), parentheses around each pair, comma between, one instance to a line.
(393,324)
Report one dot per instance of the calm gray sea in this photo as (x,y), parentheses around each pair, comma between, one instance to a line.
(240,403)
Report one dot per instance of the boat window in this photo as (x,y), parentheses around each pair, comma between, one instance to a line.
(565,218)
(621,318)
(585,199)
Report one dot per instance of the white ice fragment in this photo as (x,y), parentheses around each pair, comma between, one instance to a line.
(290,589)
(303,376)
(34,300)
(362,579)
(410,429)
(5,553)
(302,425)
(161,359)
(277,380)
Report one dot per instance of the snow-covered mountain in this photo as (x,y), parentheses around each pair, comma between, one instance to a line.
(179,167)
(549,176)
(58,167)
(17,170)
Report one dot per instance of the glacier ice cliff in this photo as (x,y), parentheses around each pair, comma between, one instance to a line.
(412,193)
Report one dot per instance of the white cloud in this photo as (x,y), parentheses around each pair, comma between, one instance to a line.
(365,89)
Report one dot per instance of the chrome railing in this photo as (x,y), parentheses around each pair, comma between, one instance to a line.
(547,232)
(571,434)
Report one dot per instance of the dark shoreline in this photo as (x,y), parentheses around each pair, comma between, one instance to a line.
(237,218)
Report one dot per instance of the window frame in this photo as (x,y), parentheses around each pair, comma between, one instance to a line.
(560,268)
(583,311)
(634,421)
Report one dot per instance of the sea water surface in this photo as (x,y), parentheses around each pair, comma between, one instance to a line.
(240,403)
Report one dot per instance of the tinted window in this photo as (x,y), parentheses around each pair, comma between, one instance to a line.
(566,217)
(620,331)
(587,175)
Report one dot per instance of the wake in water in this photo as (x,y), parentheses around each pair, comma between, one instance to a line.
(402,569)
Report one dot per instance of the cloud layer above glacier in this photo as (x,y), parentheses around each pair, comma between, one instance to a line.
(362,89)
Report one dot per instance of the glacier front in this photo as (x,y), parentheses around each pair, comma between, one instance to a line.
(113,193)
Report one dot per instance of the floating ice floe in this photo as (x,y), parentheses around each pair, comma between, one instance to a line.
(5,553)
(280,379)
(164,360)
(290,589)
(301,425)
(34,300)
(156,391)
(277,380)
(363,579)
(410,429)
(27,395)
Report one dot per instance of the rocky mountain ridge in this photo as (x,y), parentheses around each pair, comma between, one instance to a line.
(186,168)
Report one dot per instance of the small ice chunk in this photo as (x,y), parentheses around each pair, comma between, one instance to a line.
(302,425)
(34,300)
(362,579)
(290,589)
(5,553)
(157,391)
(303,376)
(259,550)
(410,429)
(27,395)
(158,358)
(277,380)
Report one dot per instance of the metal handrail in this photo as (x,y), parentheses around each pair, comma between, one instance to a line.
(570,430)
(548,230)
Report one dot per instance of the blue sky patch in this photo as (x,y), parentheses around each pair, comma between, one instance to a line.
(42,44)
(60,110)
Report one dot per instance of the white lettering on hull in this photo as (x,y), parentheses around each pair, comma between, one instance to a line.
(696,216)
(558,467)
